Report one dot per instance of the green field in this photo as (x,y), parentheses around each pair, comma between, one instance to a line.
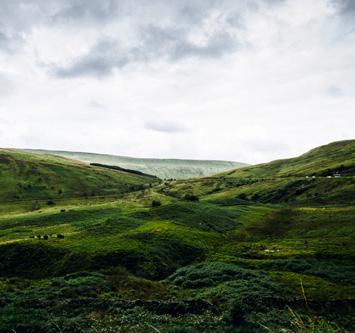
(268,248)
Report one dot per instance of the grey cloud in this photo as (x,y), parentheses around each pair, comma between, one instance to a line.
(345,7)
(217,46)
(97,105)
(166,127)
(106,10)
(7,86)
(157,40)
(334,91)
(103,10)
(171,44)
(348,6)
(174,45)
(19,17)
(99,62)
(4,42)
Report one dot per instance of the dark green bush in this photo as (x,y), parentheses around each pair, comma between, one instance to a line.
(235,315)
(336,270)
(156,203)
(191,197)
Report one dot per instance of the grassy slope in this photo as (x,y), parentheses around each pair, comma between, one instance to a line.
(162,168)
(284,181)
(27,176)
(324,160)
(246,258)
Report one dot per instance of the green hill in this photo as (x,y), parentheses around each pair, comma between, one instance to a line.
(324,175)
(26,176)
(336,157)
(162,168)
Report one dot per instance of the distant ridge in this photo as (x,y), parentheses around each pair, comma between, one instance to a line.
(162,168)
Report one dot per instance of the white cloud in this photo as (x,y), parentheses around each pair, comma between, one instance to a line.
(166,127)
(251,81)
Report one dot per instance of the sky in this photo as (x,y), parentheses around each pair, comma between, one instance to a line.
(248,80)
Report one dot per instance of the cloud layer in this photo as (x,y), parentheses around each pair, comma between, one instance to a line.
(248,80)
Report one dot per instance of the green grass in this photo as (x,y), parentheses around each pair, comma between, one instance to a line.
(25,176)
(325,160)
(257,243)
(302,180)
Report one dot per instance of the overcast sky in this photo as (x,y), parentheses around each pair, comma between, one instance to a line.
(248,80)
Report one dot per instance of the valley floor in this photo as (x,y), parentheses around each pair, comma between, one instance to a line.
(121,265)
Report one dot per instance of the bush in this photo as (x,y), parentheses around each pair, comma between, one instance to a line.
(210,274)
(243,196)
(156,203)
(235,314)
(191,197)
(336,270)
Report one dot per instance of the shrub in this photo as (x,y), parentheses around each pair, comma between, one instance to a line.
(209,274)
(235,314)
(156,203)
(242,196)
(191,197)
(118,277)
(35,206)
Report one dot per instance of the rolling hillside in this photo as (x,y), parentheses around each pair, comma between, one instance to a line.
(336,157)
(26,176)
(162,168)
(270,251)
(323,175)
